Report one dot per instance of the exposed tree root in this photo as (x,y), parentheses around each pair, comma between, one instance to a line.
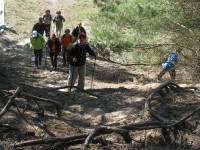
(163,123)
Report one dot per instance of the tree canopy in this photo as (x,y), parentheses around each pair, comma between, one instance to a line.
(147,28)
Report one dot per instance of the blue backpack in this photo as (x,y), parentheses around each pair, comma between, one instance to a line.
(170,60)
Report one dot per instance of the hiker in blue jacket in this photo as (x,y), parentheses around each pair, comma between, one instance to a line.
(169,64)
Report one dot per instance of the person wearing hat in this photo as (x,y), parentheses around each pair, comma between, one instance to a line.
(40,27)
(78,29)
(37,43)
(47,20)
(77,61)
(54,50)
(58,20)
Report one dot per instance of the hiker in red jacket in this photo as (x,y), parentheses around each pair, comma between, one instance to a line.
(54,50)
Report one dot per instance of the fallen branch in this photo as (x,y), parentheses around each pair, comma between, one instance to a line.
(50,140)
(7,106)
(107,130)
(158,90)
(54,103)
(82,90)
(122,130)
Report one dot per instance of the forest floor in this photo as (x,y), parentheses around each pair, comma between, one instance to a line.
(118,98)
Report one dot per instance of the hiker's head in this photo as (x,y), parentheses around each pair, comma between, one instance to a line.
(35,33)
(79,24)
(67,31)
(58,12)
(53,37)
(47,11)
(82,38)
(40,20)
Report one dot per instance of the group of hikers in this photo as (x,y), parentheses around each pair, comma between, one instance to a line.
(73,47)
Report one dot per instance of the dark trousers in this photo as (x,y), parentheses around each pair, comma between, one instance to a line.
(48,26)
(171,71)
(65,52)
(38,57)
(53,58)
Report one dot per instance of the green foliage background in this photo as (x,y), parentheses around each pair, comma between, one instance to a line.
(147,30)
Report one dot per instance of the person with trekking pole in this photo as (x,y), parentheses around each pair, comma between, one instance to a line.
(77,61)
(37,43)
(169,64)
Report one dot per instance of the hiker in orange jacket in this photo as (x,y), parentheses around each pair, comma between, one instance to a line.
(66,43)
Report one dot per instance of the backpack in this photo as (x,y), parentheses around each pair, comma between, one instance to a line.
(170,61)
(172,57)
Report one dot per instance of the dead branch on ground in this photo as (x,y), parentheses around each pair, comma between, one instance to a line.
(35,98)
(7,106)
(123,130)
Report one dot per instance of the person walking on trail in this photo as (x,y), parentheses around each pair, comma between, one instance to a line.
(77,30)
(58,20)
(169,64)
(37,43)
(47,17)
(54,46)
(77,61)
(66,42)
(40,27)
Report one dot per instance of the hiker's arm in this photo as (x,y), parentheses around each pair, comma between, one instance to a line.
(31,43)
(71,55)
(63,19)
(90,51)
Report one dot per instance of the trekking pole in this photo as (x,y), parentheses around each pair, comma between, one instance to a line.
(93,73)
(45,57)
(31,55)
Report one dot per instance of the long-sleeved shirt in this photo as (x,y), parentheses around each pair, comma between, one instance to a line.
(37,43)
(55,47)
(79,52)
(40,28)
(59,21)
(65,40)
